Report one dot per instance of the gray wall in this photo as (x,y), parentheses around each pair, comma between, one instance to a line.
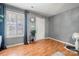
(46,27)
(10,41)
(63,25)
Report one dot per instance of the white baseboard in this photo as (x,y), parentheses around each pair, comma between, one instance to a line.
(61,41)
(41,39)
(14,45)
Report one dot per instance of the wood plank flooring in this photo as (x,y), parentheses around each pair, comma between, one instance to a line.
(45,47)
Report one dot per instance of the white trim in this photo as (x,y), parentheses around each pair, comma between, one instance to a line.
(61,41)
(14,45)
(38,39)
(14,36)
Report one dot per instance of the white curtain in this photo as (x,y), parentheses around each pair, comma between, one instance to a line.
(0,40)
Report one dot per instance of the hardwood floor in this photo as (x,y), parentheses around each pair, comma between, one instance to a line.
(45,47)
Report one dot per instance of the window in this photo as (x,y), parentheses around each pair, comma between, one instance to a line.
(14,24)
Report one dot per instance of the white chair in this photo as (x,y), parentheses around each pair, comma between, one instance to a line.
(75,36)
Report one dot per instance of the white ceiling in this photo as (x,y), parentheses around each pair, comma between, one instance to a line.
(46,9)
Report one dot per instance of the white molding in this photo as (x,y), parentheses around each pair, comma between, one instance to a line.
(41,39)
(14,36)
(61,41)
(14,45)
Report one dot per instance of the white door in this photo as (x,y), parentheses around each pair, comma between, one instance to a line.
(40,28)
